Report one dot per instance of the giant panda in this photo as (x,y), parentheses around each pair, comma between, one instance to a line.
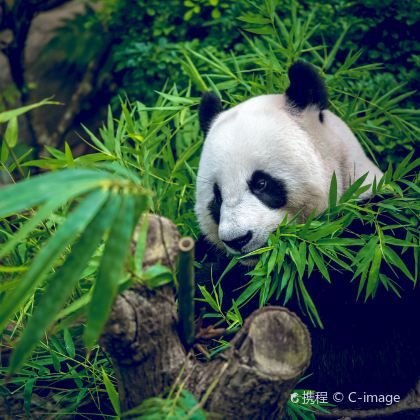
(274,155)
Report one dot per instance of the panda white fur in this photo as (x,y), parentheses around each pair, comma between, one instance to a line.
(274,155)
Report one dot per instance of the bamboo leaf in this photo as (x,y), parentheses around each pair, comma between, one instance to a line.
(157,275)
(372,282)
(392,257)
(27,396)
(309,304)
(290,285)
(249,292)
(62,283)
(298,257)
(319,262)
(256,19)
(68,343)
(43,213)
(112,393)
(351,191)
(43,262)
(263,30)
(333,192)
(110,269)
(8,115)
(4,154)
(11,134)
(33,191)
(209,298)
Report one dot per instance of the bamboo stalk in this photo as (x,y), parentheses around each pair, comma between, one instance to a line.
(186,290)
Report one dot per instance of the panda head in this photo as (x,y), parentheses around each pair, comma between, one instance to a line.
(259,163)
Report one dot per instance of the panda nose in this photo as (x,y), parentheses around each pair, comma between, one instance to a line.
(238,243)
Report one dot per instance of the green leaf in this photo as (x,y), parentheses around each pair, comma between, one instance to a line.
(290,285)
(11,134)
(373,277)
(43,213)
(322,232)
(33,191)
(179,100)
(392,257)
(55,361)
(97,142)
(256,19)
(333,192)
(4,154)
(189,402)
(112,393)
(404,167)
(68,343)
(398,242)
(8,115)
(209,298)
(250,291)
(62,283)
(264,30)
(284,279)
(27,396)
(157,275)
(309,304)
(75,224)
(331,56)
(110,269)
(265,290)
(299,257)
(319,262)
(272,261)
(352,190)
(258,251)
(68,155)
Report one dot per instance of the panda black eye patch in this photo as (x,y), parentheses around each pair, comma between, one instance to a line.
(215,204)
(269,190)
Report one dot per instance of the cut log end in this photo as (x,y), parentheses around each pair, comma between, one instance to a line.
(186,244)
(280,343)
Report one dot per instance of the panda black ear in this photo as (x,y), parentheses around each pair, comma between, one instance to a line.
(210,107)
(306,87)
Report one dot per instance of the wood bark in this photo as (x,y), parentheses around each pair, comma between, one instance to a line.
(252,379)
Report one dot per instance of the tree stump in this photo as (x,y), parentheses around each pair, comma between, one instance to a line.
(252,379)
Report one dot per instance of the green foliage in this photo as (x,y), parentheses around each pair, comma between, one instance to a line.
(386,30)
(148,41)
(180,406)
(67,380)
(151,39)
(110,201)
(9,161)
